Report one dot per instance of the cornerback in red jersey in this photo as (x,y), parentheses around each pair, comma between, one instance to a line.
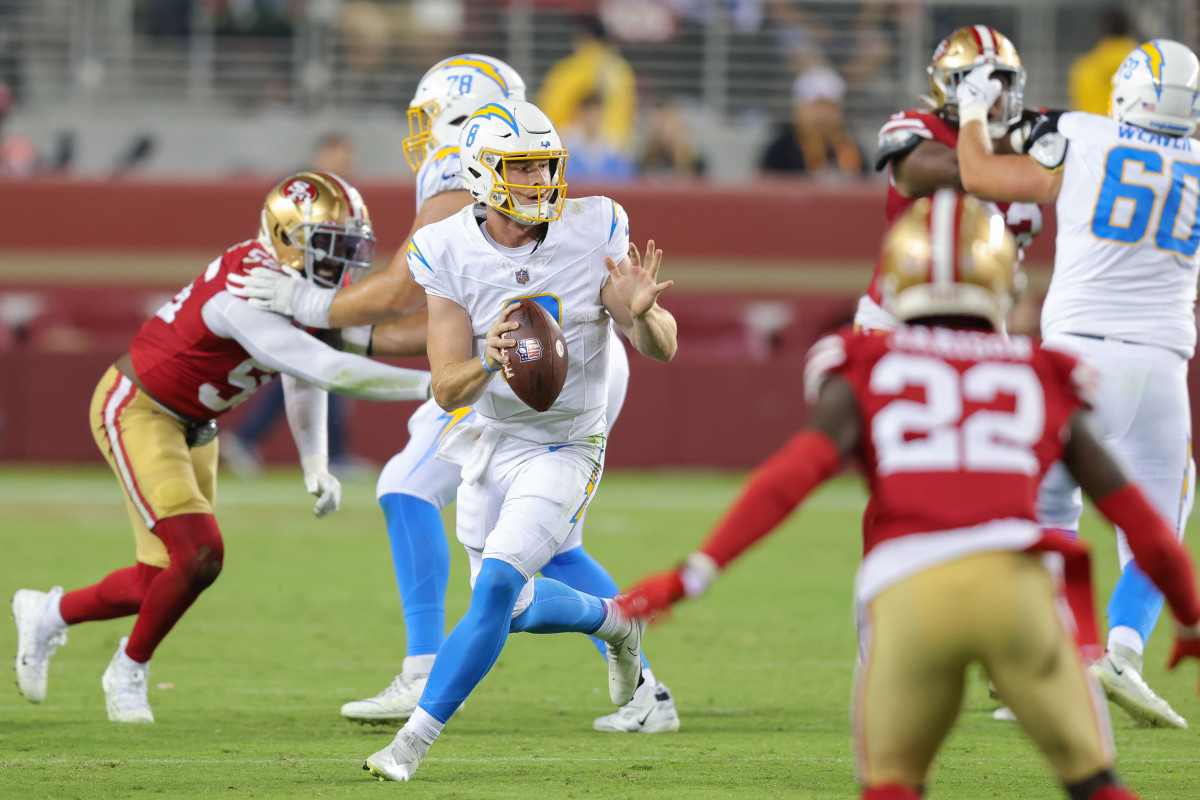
(183,364)
(958,426)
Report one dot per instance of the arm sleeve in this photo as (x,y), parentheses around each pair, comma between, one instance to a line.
(1155,549)
(774,490)
(308,417)
(275,343)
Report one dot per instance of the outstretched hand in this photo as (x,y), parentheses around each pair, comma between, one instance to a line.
(637,284)
(1187,645)
(656,592)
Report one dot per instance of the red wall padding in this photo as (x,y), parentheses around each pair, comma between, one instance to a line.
(771,220)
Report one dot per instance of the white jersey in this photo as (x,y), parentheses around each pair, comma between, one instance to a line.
(566,272)
(1125,263)
(439,173)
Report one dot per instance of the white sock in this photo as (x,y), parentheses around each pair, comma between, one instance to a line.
(424,726)
(649,676)
(128,662)
(614,627)
(418,665)
(52,614)
(1126,637)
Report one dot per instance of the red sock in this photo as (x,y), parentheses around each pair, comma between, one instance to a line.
(118,595)
(892,791)
(1114,792)
(194,543)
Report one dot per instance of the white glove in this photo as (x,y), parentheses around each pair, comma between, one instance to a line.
(698,573)
(284,292)
(320,483)
(978,88)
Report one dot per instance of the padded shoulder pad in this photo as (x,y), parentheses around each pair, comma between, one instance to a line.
(1045,144)
(899,135)
(827,355)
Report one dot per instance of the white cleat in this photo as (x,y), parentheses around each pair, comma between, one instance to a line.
(392,706)
(652,710)
(1123,683)
(399,760)
(625,663)
(1004,714)
(36,640)
(125,684)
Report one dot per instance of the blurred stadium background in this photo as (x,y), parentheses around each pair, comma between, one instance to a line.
(139,137)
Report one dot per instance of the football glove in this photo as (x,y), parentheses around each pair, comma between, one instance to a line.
(1187,645)
(658,592)
(284,292)
(978,87)
(320,483)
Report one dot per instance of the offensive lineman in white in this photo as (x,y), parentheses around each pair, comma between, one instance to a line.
(1123,293)
(414,486)
(527,476)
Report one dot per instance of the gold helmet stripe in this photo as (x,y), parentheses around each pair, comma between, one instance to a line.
(943,229)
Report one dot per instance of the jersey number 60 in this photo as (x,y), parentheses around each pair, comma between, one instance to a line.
(1179,213)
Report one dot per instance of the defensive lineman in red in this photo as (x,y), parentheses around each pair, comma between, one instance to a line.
(955,425)
(154,414)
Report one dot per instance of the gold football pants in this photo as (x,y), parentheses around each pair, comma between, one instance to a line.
(145,446)
(920,635)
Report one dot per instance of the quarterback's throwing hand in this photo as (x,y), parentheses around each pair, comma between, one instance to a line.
(637,284)
(1187,645)
(978,87)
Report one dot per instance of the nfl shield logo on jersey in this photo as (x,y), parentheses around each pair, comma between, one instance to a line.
(522,276)
(529,350)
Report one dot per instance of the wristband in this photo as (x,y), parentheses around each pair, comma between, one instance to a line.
(974,112)
(483,360)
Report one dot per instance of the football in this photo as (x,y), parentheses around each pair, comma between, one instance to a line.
(537,366)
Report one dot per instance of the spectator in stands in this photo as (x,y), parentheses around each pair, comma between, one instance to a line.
(1091,73)
(595,68)
(669,149)
(817,141)
(594,158)
(18,155)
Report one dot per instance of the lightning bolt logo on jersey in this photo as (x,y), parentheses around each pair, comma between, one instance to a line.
(452,259)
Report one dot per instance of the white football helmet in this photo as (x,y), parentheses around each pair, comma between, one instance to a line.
(447,95)
(492,145)
(1158,88)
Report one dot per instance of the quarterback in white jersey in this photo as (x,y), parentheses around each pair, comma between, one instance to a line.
(414,487)
(1123,294)
(527,476)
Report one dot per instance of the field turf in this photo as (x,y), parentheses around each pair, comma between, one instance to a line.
(305,616)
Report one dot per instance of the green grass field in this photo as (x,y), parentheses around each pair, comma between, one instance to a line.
(305,616)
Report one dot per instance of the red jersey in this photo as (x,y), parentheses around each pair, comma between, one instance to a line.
(897,138)
(958,427)
(183,364)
